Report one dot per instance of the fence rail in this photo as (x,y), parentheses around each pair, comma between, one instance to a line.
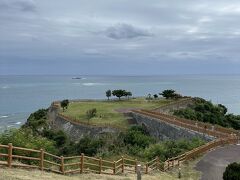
(205,128)
(12,156)
(79,164)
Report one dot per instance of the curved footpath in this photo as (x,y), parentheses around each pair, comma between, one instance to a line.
(213,164)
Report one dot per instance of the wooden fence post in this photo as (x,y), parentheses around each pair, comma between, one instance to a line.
(82,165)
(158,163)
(100,165)
(135,165)
(138,171)
(122,164)
(146,168)
(10,149)
(114,167)
(41,159)
(62,165)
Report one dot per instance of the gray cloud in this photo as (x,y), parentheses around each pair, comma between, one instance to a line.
(142,32)
(18,5)
(125,31)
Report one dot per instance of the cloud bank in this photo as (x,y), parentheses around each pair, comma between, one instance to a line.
(137,37)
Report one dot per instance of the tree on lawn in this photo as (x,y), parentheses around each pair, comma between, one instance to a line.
(155,96)
(108,93)
(128,94)
(64,104)
(119,93)
(169,94)
(91,113)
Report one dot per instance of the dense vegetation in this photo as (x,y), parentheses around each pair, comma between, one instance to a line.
(232,172)
(135,142)
(206,111)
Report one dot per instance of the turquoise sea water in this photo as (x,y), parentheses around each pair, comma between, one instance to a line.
(21,95)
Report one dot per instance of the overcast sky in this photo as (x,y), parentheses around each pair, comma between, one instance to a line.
(119,37)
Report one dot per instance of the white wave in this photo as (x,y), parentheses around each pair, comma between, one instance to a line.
(5,87)
(93,84)
(84,78)
(3,117)
(18,123)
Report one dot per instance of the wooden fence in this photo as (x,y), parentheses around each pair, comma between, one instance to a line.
(205,128)
(12,156)
(224,136)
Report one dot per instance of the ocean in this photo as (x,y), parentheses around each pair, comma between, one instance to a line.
(21,95)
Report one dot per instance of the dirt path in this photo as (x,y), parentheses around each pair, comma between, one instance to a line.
(213,164)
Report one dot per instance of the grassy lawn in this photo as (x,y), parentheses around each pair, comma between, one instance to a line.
(107,111)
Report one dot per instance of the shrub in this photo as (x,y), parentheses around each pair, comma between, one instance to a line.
(89,146)
(232,172)
(59,137)
(206,111)
(136,136)
(91,113)
(25,138)
(168,149)
(37,121)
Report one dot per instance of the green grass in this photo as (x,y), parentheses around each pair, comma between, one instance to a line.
(107,110)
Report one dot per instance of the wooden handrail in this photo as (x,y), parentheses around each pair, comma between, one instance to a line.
(92,164)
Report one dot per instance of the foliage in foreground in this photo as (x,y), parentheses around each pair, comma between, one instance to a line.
(25,138)
(232,172)
(206,111)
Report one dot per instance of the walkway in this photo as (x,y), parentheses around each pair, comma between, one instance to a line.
(213,164)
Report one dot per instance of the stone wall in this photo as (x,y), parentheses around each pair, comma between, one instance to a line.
(163,131)
(76,131)
(159,129)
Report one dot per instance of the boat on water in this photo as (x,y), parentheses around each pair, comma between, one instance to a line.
(76,78)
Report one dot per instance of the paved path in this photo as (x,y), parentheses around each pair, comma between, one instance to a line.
(213,164)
